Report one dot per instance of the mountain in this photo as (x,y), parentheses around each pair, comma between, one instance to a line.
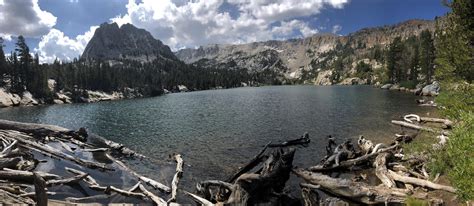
(126,42)
(296,58)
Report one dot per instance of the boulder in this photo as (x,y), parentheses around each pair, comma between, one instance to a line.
(16,99)
(63,98)
(386,86)
(417,91)
(395,87)
(431,89)
(51,84)
(58,101)
(182,88)
(5,98)
(98,96)
(27,99)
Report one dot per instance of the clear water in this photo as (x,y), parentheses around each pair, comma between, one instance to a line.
(219,130)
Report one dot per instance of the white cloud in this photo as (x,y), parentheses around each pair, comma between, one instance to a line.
(180,23)
(336,28)
(24,17)
(56,45)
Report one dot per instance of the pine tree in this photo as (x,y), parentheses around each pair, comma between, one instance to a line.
(427,55)
(455,42)
(3,61)
(394,57)
(414,64)
(24,70)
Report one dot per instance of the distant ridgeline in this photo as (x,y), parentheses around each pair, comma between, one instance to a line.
(127,58)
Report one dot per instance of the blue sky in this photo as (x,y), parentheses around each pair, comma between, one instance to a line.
(61,28)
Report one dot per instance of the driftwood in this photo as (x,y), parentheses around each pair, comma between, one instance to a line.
(142,178)
(259,188)
(71,180)
(250,165)
(200,200)
(19,175)
(157,200)
(76,137)
(177,176)
(309,194)
(300,141)
(417,127)
(391,176)
(446,122)
(351,162)
(355,191)
(23,139)
(40,190)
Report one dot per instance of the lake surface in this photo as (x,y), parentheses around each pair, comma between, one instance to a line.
(217,131)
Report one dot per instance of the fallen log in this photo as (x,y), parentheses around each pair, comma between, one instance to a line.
(381,170)
(300,141)
(199,199)
(45,130)
(23,139)
(19,175)
(6,150)
(389,175)
(157,200)
(142,178)
(40,190)
(309,195)
(414,126)
(250,165)
(252,188)
(351,162)
(71,180)
(420,182)
(177,176)
(110,189)
(355,191)
(9,162)
(448,123)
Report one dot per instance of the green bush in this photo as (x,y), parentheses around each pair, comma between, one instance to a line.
(410,84)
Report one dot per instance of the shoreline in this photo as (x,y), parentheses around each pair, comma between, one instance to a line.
(8,100)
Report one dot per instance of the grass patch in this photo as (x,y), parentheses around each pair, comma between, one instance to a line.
(411,201)
(456,159)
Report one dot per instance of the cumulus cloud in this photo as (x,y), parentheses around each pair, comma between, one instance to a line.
(181,23)
(336,28)
(24,17)
(55,45)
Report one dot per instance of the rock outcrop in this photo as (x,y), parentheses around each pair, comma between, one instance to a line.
(126,42)
(290,57)
(353,81)
(324,78)
(431,89)
(8,99)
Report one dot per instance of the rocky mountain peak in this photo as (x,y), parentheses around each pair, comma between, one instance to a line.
(126,42)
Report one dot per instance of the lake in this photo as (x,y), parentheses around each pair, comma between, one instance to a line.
(217,131)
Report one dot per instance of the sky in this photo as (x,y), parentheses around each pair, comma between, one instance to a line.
(61,28)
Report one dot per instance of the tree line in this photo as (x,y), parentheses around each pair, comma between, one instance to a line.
(21,71)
